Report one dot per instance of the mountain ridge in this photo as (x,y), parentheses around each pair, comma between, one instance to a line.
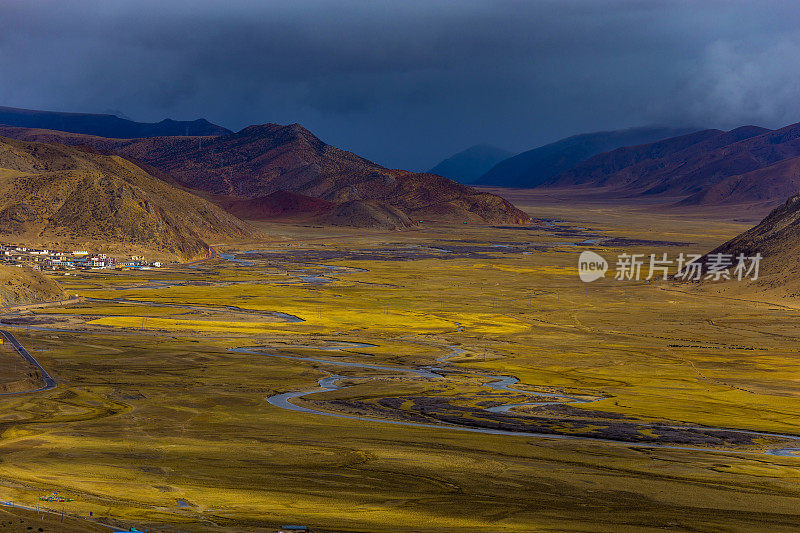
(706,167)
(263,159)
(105,125)
(534,167)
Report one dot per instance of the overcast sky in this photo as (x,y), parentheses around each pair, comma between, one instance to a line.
(406,83)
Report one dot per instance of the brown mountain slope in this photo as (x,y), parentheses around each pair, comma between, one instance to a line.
(101,144)
(255,161)
(777,239)
(295,207)
(261,160)
(277,205)
(779,180)
(21,286)
(366,214)
(59,196)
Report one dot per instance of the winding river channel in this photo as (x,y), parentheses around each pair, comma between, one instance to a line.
(443,369)
(496,382)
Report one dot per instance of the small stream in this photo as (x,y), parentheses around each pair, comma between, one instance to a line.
(504,383)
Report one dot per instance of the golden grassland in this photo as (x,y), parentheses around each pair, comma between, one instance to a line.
(153,408)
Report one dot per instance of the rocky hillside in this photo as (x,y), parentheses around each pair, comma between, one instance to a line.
(764,185)
(58,196)
(259,161)
(275,206)
(366,214)
(777,239)
(21,286)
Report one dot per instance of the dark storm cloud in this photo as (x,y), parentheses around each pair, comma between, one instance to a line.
(406,83)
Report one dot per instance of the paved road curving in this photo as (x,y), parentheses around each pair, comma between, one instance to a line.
(49,382)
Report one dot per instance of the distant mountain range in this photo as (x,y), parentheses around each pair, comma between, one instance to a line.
(537,166)
(273,171)
(171,195)
(709,167)
(105,125)
(746,165)
(262,160)
(470,164)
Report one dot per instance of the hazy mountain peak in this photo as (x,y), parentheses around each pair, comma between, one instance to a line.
(534,167)
(468,165)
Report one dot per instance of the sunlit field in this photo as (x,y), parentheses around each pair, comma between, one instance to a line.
(474,384)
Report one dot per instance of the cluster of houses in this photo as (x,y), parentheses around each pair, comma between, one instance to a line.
(76,260)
